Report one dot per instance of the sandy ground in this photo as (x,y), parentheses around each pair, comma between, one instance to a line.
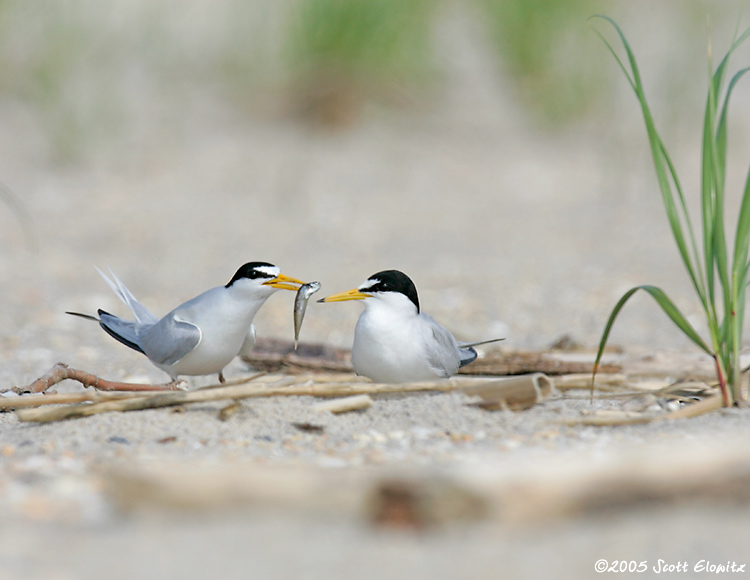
(506,231)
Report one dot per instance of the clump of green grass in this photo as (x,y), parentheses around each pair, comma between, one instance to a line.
(341,50)
(539,43)
(719,279)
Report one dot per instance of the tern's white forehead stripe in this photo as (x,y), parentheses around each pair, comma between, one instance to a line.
(367,284)
(272,271)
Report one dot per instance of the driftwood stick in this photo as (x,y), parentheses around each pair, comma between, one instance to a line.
(315,377)
(138,402)
(61,372)
(344,404)
(38,400)
(276,355)
(244,391)
(499,362)
(610,418)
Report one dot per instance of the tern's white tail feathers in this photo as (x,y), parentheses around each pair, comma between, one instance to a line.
(141,313)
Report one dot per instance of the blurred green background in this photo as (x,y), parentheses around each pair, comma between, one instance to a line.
(88,74)
(489,148)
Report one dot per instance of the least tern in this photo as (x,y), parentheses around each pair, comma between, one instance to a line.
(394,342)
(201,336)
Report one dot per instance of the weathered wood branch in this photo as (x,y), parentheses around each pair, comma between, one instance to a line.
(276,355)
(61,372)
(288,386)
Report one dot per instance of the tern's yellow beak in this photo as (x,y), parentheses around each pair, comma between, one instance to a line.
(353,294)
(284,282)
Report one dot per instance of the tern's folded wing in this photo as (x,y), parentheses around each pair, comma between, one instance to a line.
(442,350)
(170,339)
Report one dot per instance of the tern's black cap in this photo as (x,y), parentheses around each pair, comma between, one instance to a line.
(252,270)
(392,281)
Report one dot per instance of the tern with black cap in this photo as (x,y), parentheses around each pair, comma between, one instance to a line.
(203,335)
(394,341)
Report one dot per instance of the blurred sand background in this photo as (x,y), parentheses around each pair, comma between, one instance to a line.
(175,141)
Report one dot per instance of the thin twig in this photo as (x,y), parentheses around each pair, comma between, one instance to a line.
(61,372)
(37,400)
(41,399)
(233,382)
(603,381)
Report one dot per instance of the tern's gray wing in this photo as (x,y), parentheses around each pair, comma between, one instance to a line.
(442,350)
(169,340)
(141,313)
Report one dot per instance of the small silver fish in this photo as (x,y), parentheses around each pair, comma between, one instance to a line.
(300,305)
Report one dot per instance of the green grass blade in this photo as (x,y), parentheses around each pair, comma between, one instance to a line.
(740,268)
(611,49)
(718,156)
(708,199)
(714,161)
(743,224)
(667,306)
(714,173)
(733,284)
(742,240)
(676,207)
(696,274)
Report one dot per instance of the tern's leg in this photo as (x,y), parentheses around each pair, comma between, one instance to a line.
(222,380)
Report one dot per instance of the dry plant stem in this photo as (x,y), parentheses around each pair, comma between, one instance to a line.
(61,372)
(722,382)
(610,419)
(707,405)
(233,382)
(603,381)
(38,400)
(238,392)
